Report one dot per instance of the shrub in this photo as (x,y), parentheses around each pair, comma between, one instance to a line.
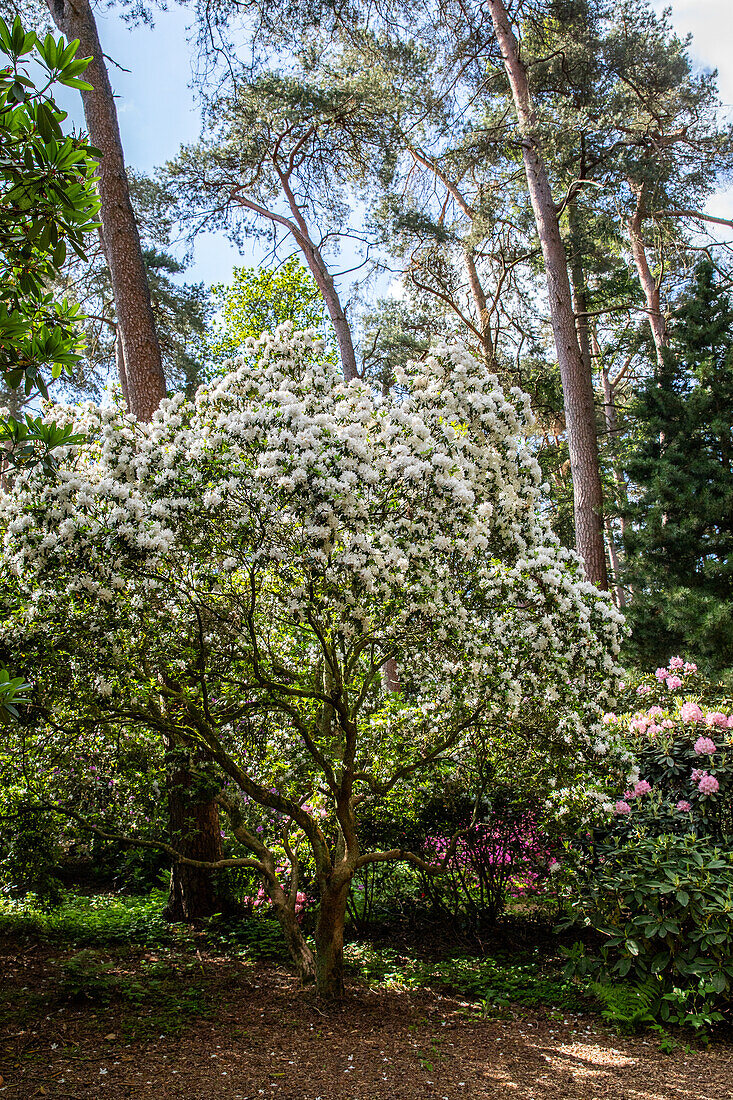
(657,879)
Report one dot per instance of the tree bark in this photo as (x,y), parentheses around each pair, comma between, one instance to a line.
(300,952)
(137,353)
(141,349)
(657,322)
(479,301)
(609,412)
(577,383)
(195,832)
(330,939)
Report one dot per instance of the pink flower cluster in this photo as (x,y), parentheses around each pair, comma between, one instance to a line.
(262,898)
(683,806)
(670,675)
(707,784)
(705,745)
(639,789)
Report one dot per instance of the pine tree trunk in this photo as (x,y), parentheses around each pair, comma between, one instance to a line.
(577,384)
(609,412)
(137,352)
(479,301)
(141,350)
(195,833)
(657,322)
(330,940)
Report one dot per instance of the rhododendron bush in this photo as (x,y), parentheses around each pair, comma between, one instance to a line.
(657,878)
(324,594)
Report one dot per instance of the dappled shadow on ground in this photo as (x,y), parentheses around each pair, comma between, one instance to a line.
(207,1028)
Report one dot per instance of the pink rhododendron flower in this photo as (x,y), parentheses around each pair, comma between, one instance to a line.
(683,807)
(609,718)
(661,673)
(697,774)
(691,712)
(654,729)
(643,689)
(642,787)
(690,667)
(673,682)
(668,724)
(704,744)
(676,662)
(715,718)
(623,808)
(708,784)
(655,712)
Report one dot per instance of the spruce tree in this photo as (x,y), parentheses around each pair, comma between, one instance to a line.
(680,539)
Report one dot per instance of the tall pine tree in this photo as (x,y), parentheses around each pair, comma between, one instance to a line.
(680,539)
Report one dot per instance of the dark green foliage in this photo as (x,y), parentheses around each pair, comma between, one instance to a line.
(29,852)
(663,904)
(680,541)
(48,205)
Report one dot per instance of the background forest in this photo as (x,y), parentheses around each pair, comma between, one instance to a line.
(332,595)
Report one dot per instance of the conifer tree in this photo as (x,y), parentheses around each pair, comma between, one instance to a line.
(680,539)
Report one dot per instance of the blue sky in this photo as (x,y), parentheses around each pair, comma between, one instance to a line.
(157,109)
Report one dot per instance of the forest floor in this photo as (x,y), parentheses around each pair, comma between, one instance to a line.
(130,1022)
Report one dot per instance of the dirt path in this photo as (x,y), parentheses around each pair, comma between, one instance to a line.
(251,1033)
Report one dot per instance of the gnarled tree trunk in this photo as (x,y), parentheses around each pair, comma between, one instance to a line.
(577,384)
(330,938)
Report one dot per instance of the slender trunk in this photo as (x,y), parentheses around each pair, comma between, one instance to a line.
(580,299)
(145,379)
(120,363)
(327,287)
(577,383)
(141,375)
(619,596)
(479,301)
(330,940)
(657,322)
(609,412)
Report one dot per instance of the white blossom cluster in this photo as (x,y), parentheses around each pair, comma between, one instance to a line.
(287,497)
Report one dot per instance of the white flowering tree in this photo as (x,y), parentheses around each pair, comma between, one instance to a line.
(238,573)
